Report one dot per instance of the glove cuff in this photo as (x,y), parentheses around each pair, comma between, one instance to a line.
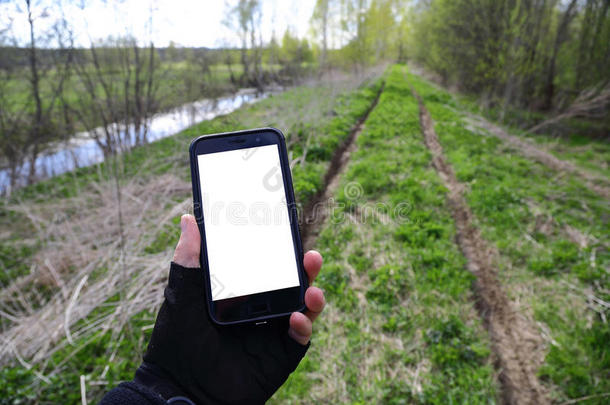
(180,276)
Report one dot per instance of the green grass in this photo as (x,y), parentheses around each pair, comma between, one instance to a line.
(400,326)
(580,141)
(530,213)
(587,151)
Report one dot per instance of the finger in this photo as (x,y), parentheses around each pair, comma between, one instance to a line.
(189,245)
(313,263)
(315,302)
(300,328)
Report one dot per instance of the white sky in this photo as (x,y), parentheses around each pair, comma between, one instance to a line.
(185,22)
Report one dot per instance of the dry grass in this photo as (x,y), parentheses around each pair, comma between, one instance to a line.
(90,250)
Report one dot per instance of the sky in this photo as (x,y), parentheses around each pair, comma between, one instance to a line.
(188,23)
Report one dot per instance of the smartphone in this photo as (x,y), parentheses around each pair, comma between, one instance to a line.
(251,252)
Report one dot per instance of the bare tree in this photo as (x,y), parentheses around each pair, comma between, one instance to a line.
(29,119)
(592,103)
(12,126)
(43,127)
(117,105)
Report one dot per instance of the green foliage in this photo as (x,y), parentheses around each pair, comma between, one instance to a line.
(510,53)
(12,263)
(294,50)
(451,346)
(16,382)
(165,238)
(388,286)
(88,356)
(398,291)
(570,365)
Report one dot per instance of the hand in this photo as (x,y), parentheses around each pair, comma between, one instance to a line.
(223,364)
(187,255)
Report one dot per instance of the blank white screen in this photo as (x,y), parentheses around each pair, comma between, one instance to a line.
(248,233)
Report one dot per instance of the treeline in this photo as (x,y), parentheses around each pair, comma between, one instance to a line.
(536,54)
(539,55)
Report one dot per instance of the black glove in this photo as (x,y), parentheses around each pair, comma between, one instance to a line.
(188,355)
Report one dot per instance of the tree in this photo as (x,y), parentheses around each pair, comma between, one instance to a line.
(13,121)
(294,52)
(197,74)
(354,25)
(560,37)
(593,45)
(244,18)
(320,21)
(536,54)
(29,116)
(119,90)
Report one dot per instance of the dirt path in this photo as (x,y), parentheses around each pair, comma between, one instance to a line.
(318,209)
(528,149)
(515,341)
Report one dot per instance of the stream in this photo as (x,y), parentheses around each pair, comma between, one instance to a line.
(82,150)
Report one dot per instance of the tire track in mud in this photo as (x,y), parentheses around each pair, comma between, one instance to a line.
(516,342)
(529,150)
(318,209)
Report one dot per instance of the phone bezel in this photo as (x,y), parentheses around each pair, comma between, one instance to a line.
(279,303)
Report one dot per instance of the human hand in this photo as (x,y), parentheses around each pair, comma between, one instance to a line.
(187,255)
(224,364)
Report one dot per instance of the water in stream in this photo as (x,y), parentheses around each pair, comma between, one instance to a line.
(82,150)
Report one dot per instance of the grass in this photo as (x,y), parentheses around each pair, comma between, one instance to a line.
(400,326)
(551,232)
(589,152)
(315,120)
(577,140)
(178,83)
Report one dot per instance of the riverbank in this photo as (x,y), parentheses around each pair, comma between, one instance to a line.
(82,149)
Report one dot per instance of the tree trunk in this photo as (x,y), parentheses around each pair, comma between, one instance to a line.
(323,62)
(559,38)
(244,62)
(137,96)
(33,157)
(150,93)
(582,48)
(35,88)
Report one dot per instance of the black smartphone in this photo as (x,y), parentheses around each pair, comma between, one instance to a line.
(251,252)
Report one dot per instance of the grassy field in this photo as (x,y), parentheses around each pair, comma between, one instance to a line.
(174,80)
(47,223)
(403,322)
(400,326)
(176,83)
(552,235)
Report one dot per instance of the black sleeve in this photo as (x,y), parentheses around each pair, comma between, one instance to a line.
(130,393)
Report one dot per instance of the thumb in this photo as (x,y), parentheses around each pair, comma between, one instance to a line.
(189,245)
